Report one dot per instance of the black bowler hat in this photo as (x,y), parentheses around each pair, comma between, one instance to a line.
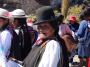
(45,14)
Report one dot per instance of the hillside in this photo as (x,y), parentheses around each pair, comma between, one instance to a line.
(28,5)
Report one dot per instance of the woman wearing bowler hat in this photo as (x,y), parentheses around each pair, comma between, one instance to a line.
(5,37)
(50,51)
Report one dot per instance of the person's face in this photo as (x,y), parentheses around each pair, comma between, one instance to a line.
(2,22)
(16,23)
(72,22)
(46,29)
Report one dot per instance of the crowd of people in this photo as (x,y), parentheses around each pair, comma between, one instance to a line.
(49,42)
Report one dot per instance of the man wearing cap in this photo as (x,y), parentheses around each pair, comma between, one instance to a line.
(73,24)
(21,42)
(5,37)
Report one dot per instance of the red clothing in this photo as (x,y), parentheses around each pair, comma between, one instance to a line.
(88,62)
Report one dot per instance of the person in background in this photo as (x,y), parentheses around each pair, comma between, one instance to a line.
(5,37)
(83,35)
(21,42)
(66,33)
(32,29)
(50,51)
(73,24)
(63,28)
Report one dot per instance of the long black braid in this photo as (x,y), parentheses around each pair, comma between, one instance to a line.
(55,25)
(27,37)
(64,51)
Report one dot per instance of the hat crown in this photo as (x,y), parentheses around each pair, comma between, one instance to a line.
(4,13)
(45,14)
(18,12)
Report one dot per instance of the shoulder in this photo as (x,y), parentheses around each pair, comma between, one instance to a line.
(53,44)
(6,33)
(83,22)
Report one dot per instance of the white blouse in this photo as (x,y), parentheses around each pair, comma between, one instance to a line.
(5,44)
(51,56)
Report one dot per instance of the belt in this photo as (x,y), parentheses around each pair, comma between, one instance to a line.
(15,60)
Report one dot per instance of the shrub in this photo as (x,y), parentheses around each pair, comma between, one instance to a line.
(74,10)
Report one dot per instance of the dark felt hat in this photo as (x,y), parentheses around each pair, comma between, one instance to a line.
(45,14)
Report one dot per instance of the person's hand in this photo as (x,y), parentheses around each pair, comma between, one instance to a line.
(42,36)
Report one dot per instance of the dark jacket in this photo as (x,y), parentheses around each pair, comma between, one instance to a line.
(21,45)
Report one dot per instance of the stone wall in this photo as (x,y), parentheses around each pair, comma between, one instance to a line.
(29,6)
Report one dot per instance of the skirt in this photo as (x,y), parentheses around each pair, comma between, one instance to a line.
(83,50)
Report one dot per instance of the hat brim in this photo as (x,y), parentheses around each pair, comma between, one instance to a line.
(4,17)
(41,22)
(20,16)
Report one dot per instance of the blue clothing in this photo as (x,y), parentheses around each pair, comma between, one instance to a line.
(83,25)
(83,50)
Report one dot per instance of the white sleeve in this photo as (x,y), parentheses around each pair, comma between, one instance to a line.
(51,55)
(6,38)
(5,43)
(2,56)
